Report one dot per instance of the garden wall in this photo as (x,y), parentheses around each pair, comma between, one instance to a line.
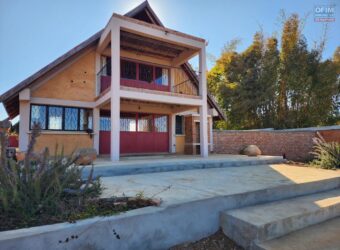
(296,144)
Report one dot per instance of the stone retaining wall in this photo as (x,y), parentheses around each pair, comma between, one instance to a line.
(296,144)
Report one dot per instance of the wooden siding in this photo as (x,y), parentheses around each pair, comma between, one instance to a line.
(182,83)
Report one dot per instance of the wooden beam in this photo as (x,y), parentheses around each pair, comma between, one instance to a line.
(183,57)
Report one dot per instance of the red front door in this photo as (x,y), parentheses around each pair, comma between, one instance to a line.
(140,133)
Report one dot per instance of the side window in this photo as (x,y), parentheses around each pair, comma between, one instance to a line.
(55,118)
(38,116)
(71,119)
(85,119)
(179,125)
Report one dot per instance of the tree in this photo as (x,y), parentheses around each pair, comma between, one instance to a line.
(267,87)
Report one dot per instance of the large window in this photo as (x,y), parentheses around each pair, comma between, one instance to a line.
(38,116)
(71,119)
(130,70)
(128,122)
(161,123)
(61,118)
(145,123)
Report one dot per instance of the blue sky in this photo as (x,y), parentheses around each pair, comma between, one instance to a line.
(35,32)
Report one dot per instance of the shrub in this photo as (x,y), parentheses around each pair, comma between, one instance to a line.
(41,186)
(327,154)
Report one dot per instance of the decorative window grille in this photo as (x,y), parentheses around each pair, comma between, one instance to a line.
(161,123)
(38,116)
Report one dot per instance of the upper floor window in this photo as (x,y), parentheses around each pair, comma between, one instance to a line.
(128,70)
(161,76)
(61,118)
(145,73)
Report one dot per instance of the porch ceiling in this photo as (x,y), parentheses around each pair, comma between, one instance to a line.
(130,105)
(148,46)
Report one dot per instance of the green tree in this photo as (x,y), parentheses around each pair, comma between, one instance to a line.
(267,87)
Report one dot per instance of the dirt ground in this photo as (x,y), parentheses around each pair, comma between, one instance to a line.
(217,241)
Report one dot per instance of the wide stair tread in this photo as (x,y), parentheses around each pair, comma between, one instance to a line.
(323,236)
(263,222)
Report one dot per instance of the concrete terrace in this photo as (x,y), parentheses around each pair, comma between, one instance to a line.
(170,162)
(193,185)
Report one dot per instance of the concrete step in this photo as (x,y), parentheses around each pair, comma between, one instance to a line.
(167,165)
(250,225)
(323,236)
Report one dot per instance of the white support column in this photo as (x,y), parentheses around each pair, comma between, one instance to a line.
(115,92)
(24,113)
(96,128)
(204,106)
(172,133)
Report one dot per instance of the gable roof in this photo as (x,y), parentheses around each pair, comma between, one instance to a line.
(143,12)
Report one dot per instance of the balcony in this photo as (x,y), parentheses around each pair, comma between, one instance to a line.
(144,75)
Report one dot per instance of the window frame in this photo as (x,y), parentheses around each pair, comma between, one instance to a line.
(145,84)
(47,106)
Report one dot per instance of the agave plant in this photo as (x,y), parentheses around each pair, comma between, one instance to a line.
(40,183)
(327,154)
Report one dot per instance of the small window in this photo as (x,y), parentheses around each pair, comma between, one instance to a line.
(161,123)
(127,122)
(55,118)
(144,123)
(85,119)
(38,116)
(128,70)
(179,125)
(105,123)
(71,119)
(162,76)
(145,73)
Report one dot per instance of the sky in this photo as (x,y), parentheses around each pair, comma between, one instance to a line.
(35,32)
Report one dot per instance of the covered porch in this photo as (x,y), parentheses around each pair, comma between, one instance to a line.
(150,128)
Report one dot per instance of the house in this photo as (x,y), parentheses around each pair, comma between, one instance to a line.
(128,89)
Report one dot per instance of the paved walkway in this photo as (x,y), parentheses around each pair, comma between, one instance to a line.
(183,186)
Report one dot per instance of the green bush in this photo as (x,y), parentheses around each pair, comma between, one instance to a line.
(327,154)
(41,186)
